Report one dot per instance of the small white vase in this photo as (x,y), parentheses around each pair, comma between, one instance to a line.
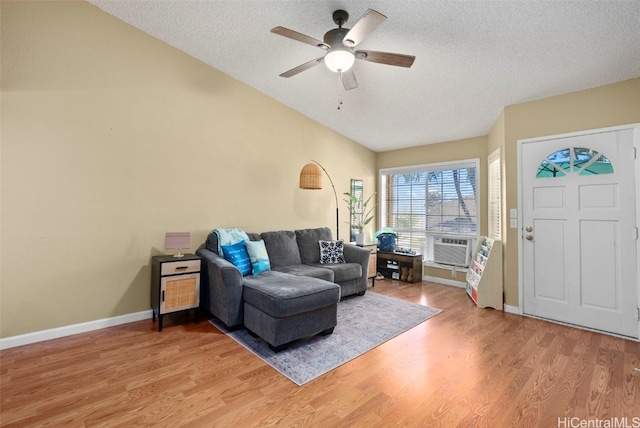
(359,238)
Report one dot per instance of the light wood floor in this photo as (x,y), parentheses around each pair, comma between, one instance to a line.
(465,367)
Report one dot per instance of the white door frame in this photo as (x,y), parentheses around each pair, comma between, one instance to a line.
(636,143)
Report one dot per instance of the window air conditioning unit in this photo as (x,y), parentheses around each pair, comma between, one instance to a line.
(451,251)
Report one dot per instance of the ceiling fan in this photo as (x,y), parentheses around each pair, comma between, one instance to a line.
(339,43)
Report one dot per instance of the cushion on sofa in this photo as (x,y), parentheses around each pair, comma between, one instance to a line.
(308,243)
(259,256)
(253,236)
(308,270)
(342,271)
(238,256)
(282,248)
(282,295)
(212,243)
(332,251)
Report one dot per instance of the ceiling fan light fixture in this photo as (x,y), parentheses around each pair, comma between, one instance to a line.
(339,60)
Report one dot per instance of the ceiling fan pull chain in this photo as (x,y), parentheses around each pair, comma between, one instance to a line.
(339,89)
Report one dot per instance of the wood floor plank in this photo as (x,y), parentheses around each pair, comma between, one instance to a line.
(466,367)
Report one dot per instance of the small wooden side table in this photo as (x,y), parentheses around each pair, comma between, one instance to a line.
(175,285)
(373,265)
(390,263)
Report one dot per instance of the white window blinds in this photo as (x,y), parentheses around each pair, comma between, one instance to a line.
(495,195)
(430,199)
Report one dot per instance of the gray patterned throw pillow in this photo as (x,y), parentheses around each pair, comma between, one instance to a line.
(332,252)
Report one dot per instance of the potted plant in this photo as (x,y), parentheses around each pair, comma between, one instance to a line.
(361,213)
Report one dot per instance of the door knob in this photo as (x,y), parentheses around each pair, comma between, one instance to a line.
(529,237)
(528,228)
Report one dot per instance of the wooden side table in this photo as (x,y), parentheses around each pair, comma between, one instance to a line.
(389,263)
(175,285)
(373,264)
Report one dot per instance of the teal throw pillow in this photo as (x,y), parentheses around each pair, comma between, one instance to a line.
(258,255)
(238,256)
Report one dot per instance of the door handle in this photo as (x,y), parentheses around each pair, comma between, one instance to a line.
(529,229)
(529,237)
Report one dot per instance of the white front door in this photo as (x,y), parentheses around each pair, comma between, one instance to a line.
(579,230)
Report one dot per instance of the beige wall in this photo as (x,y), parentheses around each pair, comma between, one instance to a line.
(496,141)
(111,138)
(610,105)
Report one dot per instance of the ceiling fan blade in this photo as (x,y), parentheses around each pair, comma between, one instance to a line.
(365,25)
(302,67)
(398,60)
(349,80)
(281,31)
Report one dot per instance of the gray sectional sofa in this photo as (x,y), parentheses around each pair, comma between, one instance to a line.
(296,298)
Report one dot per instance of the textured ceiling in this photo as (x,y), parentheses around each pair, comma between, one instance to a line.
(473,58)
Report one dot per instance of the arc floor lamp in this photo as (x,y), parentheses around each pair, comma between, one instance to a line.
(311,179)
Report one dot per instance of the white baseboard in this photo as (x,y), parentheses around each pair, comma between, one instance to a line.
(445,281)
(54,333)
(506,308)
(512,309)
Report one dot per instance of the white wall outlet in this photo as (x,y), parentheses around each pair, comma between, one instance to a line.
(513,213)
(513,223)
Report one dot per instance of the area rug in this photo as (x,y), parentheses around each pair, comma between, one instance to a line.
(363,323)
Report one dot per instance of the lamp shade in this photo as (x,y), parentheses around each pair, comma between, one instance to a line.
(311,177)
(177,241)
(339,60)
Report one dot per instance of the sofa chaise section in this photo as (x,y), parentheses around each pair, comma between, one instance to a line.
(281,308)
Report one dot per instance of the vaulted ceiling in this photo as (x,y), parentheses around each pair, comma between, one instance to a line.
(473,58)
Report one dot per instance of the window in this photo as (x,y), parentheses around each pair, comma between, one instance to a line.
(495,196)
(422,202)
(578,160)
